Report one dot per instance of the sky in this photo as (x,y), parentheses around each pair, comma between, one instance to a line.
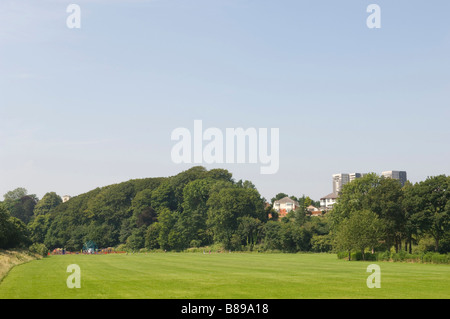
(87,107)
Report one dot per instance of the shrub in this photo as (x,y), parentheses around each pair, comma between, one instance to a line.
(342,254)
(383,256)
(437,258)
(370,256)
(39,249)
(195,243)
(400,256)
(356,255)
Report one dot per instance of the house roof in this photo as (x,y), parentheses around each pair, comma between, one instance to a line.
(286,200)
(330,196)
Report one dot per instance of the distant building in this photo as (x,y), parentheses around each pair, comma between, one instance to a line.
(400,175)
(353,176)
(314,211)
(284,206)
(340,180)
(65,198)
(327,202)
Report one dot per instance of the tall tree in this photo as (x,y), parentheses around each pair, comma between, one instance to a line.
(227,205)
(359,231)
(23,208)
(15,194)
(13,232)
(379,195)
(434,197)
(47,203)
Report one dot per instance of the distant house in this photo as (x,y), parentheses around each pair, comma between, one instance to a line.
(284,206)
(312,208)
(65,198)
(314,211)
(327,202)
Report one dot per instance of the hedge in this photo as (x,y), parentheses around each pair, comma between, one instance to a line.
(402,256)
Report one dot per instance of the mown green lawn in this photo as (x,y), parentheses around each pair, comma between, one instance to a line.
(222,276)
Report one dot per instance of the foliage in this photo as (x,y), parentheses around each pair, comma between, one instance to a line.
(406,214)
(39,249)
(47,203)
(200,208)
(13,232)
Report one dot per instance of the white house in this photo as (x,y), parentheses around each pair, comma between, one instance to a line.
(328,201)
(285,205)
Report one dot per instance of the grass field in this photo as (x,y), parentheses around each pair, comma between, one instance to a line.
(222,276)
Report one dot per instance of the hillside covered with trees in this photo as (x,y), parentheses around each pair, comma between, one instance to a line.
(199,208)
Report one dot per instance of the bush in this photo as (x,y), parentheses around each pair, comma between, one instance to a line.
(383,256)
(195,243)
(342,254)
(435,258)
(356,255)
(400,256)
(39,249)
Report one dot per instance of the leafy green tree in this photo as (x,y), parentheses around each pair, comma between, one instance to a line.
(298,216)
(152,236)
(294,238)
(38,228)
(413,207)
(143,212)
(383,196)
(179,181)
(386,201)
(359,231)
(249,230)
(15,194)
(226,206)
(47,203)
(164,197)
(23,208)
(433,196)
(219,174)
(194,213)
(13,232)
(272,235)
(166,221)
(137,238)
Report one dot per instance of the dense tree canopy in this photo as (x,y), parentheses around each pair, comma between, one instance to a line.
(199,208)
(404,214)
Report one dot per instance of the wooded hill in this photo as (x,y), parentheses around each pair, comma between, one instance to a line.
(198,208)
(191,209)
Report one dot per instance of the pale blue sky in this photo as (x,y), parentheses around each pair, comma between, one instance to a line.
(81,108)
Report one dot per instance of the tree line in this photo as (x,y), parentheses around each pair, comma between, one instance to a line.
(199,208)
(377,213)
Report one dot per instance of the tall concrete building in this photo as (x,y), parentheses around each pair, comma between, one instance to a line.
(400,175)
(353,176)
(340,180)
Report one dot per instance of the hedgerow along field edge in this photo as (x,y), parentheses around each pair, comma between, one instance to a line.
(222,276)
